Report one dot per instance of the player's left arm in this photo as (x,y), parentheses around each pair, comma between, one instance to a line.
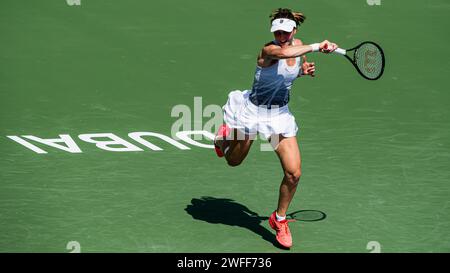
(307,68)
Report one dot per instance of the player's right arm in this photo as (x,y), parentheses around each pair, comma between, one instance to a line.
(272,51)
(276,52)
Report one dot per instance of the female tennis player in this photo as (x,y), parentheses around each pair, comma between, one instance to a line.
(264,109)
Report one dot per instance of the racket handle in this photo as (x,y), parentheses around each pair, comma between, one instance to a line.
(340,51)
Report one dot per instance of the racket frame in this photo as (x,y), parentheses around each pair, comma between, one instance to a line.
(343,52)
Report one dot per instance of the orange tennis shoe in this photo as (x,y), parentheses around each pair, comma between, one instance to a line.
(222,133)
(281,227)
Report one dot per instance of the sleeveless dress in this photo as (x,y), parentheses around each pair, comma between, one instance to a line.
(264,108)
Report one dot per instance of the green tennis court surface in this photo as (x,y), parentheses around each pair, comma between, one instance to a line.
(375,155)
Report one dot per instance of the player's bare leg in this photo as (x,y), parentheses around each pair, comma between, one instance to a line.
(234,147)
(289,155)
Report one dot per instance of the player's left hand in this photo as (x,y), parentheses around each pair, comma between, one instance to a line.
(308,68)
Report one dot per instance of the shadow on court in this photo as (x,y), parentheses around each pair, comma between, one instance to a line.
(228,212)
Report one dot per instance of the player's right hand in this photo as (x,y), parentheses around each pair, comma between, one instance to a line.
(327,47)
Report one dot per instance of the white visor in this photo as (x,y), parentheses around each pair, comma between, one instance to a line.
(283,24)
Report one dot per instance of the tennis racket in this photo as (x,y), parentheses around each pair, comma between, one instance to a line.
(367,58)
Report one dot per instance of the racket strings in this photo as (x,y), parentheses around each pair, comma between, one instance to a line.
(369,60)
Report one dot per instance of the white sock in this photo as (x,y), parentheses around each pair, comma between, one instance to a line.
(280,218)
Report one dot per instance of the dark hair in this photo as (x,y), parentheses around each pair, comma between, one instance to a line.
(298,17)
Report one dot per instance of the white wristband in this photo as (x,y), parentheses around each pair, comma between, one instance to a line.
(315,47)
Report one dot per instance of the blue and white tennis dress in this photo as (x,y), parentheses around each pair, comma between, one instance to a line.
(264,109)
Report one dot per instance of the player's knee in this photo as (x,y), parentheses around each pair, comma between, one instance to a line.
(293,176)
